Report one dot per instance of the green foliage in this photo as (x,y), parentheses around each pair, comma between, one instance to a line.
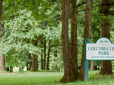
(97,63)
(112,65)
(56,59)
(26,22)
(21,35)
(17,40)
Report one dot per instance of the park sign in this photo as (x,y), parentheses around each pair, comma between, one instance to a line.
(103,49)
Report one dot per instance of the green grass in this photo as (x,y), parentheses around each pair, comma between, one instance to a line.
(51,78)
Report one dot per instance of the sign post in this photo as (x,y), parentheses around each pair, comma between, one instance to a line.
(86,62)
(103,49)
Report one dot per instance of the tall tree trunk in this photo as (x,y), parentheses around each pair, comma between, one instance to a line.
(2,62)
(42,65)
(34,66)
(65,43)
(2,58)
(73,57)
(106,66)
(1,1)
(86,35)
(49,49)
(11,68)
(30,63)
(42,59)
(44,54)
(92,67)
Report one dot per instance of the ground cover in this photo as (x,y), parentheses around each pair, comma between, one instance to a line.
(51,78)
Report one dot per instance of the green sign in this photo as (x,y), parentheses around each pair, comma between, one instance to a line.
(103,49)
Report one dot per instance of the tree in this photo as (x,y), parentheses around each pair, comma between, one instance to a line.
(86,35)
(31,26)
(65,43)
(74,53)
(42,59)
(22,44)
(44,54)
(2,57)
(34,66)
(70,65)
(48,57)
(106,66)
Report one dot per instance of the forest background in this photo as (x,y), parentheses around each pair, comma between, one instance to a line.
(32,33)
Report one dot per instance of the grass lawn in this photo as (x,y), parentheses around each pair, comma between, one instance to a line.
(51,78)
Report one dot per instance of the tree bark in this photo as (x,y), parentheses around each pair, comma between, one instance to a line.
(42,67)
(106,66)
(65,43)
(92,67)
(34,66)
(2,62)
(44,54)
(42,59)
(11,68)
(86,35)
(49,50)
(30,63)
(1,1)
(73,57)
(2,58)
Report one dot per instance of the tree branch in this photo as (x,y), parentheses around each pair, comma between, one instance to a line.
(80,4)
